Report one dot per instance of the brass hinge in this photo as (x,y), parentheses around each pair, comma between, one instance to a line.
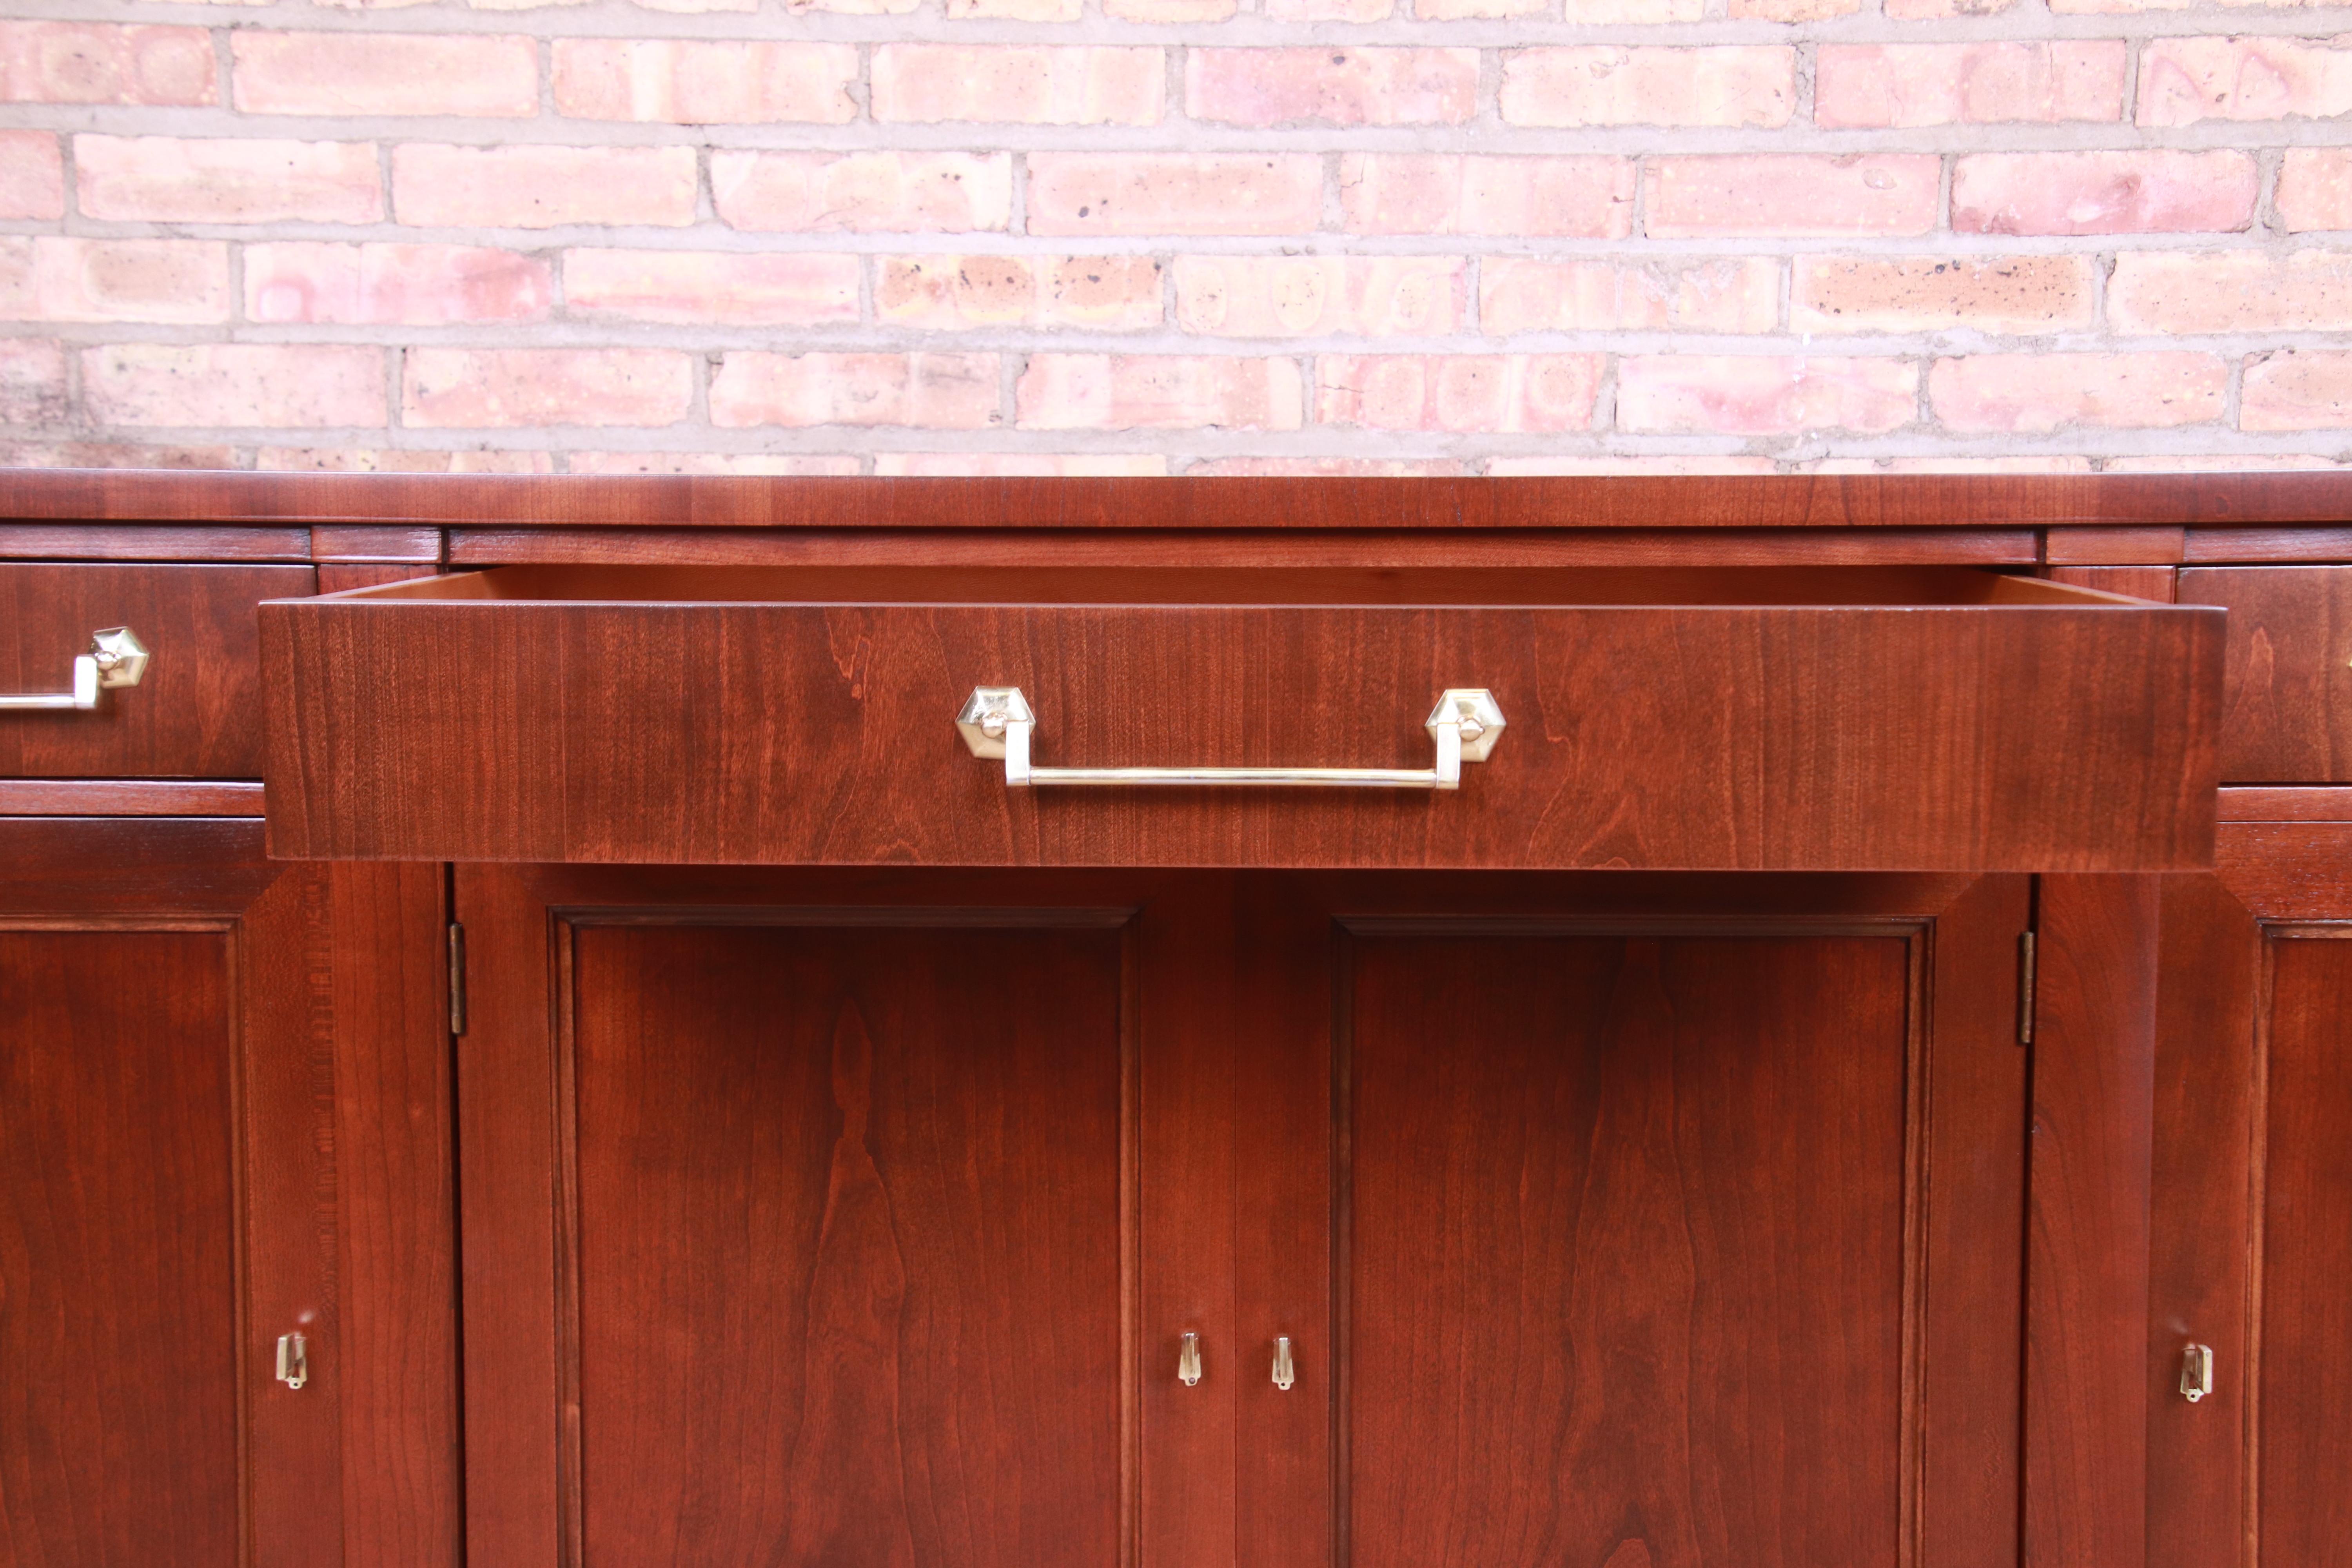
(456,978)
(2025,989)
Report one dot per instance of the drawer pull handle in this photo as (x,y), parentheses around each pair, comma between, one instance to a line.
(1188,1360)
(115,658)
(996,721)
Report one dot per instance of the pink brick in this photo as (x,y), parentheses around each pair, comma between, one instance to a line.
(2314,188)
(383,73)
(2184,80)
(259,384)
(1614,13)
(1042,465)
(1159,391)
(484,389)
(1730,294)
(171,179)
(1769,194)
(2136,192)
(797,289)
(780,463)
(1314,296)
(1168,10)
(955,293)
(2230,291)
(1416,192)
(1463,393)
(1328,10)
(1163,193)
(1871,86)
(89,62)
(32,175)
(2036,393)
(1334,86)
(398,460)
(943,391)
(863,192)
(1653,464)
(32,380)
(1791,10)
(1329,467)
(1749,84)
(679,83)
(528,186)
(1941,294)
(1927,10)
(1017,10)
(408,285)
(53,279)
(2297,389)
(1475,10)
(1764,394)
(1027,86)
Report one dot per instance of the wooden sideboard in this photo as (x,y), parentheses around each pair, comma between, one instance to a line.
(566,1023)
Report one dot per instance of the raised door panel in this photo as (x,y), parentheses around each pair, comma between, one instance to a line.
(2287,713)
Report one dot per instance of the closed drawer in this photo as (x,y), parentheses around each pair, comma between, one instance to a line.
(1760,719)
(2287,714)
(196,711)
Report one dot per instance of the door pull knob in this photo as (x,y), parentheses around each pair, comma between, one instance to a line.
(2196,1373)
(1188,1361)
(1286,1371)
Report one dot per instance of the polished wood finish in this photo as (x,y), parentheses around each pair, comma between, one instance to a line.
(130,797)
(444,720)
(2152,583)
(137,542)
(2288,804)
(197,713)
(2288,715)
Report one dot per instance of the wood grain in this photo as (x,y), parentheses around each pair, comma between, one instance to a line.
(130,797)
(2151,583)
(67,541)
(1720,737)
(2318,544)
(2288,804)
(2288,705)
(1920,500)
(197,713)
(2116,546)
(2089,1223)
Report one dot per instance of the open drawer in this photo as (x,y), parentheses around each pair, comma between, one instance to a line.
(1846,719)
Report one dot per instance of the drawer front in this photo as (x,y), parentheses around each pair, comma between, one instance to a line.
(196,711)
(2287,708)
(1715,737)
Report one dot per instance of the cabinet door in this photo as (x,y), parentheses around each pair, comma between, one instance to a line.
(222,1082)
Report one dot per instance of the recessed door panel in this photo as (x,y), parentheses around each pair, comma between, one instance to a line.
(848,1245)
(1627,1268)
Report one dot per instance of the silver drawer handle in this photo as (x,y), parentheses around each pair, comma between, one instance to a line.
(115,658)
(996,721)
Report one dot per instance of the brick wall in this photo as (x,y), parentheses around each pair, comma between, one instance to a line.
(1171,235)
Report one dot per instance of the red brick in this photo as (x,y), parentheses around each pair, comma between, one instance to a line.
(172,179)
(408,285)
(32,175)
(1332,85)
(953,293)
(1320,296)
(2184,80)
(1764,394)
(1941,294)
(863,192)
(1159,391)
(528,186)
(681,82)
(2230,291)
(2126,192)
(1782,194)
(1653,463)
(799,289)
(1029,86)
(32,380)
(944,392)
(257,385)
(385,73)
(398,460)
(1599,84)
(484,389)
(1163,193)
(2036,393)
(1871,86)
(1042,465)
(1589,197)
(53,278)
(780,463)
(1463,393)
(90,62)
(2314,188)
(1728,294)
(2297,389)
